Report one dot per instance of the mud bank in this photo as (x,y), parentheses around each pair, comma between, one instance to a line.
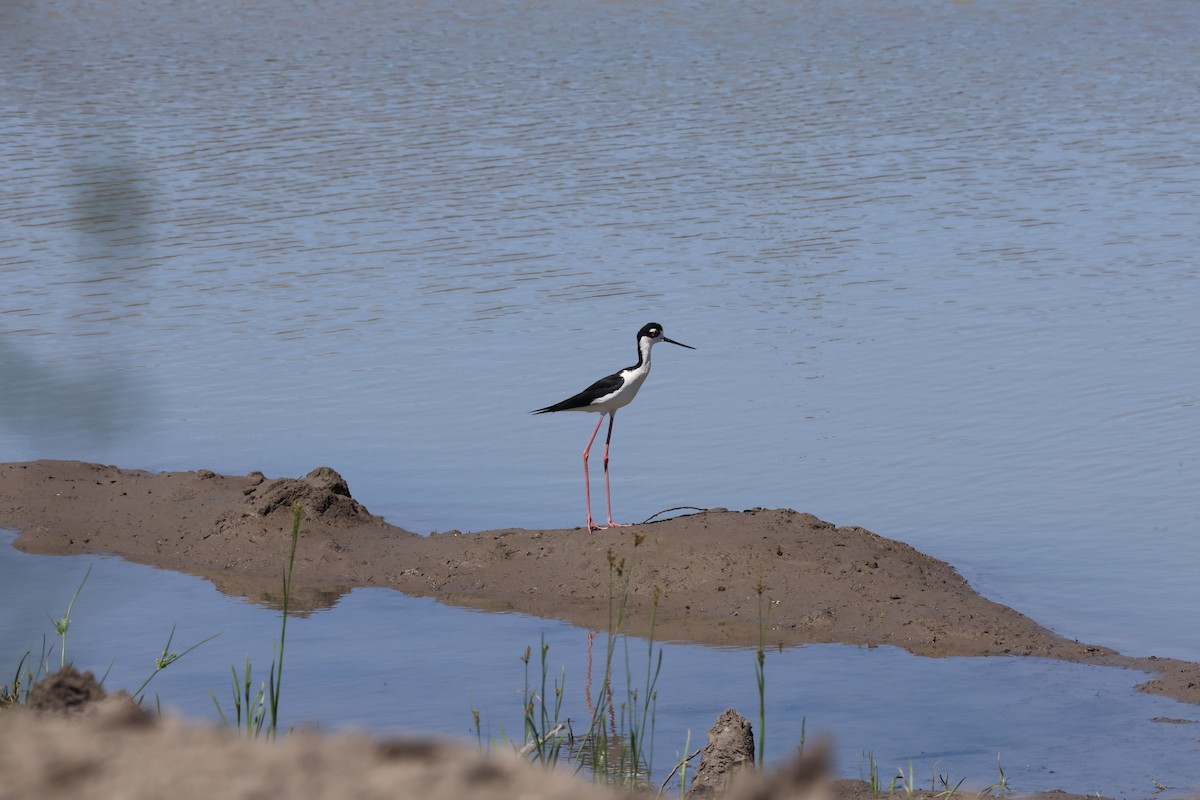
(820,582)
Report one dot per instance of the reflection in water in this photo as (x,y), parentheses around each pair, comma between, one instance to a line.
(98,204)
(100,397)
(110,212)
(52,405)
(305,598)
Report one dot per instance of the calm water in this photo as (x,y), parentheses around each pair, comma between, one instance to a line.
(938,261)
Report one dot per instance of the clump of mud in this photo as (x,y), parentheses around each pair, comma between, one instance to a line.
(729,750)
(67,691)
(74,695)
(323,493)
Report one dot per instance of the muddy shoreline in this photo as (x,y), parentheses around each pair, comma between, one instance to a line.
(820,582)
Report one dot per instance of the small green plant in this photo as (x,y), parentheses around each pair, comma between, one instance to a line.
(623,755)
(249,707)
(167,659)
(542,725)
(909,781)
(1001,786)
(642,719)
(760,677)
(10,694)
(617,746)
(276,683)
(594,749)
(25,678)
(873,771)
(478,727)
(62,624)
(948,791)
(257,708)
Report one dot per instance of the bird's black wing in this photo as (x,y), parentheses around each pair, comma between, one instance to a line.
(601,388)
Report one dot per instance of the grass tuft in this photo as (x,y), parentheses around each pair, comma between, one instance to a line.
(63,623)
(908,782)
(167,659)
(760,678)
(617,746)
(1001,786)
(873,771)
(260,710)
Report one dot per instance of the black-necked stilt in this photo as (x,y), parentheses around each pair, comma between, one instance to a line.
(607,395)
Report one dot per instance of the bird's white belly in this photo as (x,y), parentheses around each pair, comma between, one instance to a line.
(621,397)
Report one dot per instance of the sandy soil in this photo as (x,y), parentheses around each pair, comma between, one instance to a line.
(108,748)
(821,583)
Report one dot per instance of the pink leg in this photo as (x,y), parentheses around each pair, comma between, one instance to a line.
(587,486)
(607,491)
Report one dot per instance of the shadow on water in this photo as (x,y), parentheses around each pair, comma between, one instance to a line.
(48,403)
(94,395)
(104,199)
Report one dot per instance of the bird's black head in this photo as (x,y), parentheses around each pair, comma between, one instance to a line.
(651,330)
(654,332)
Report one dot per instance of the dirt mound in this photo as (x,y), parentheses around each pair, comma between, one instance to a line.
(323,493)
(233,529)
(67,691)
(729,749)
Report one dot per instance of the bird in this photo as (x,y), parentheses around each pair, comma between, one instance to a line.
(605,397)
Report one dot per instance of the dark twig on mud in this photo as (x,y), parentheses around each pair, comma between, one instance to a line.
(669,510)
(667,780)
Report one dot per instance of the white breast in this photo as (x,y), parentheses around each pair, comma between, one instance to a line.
(633,380)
